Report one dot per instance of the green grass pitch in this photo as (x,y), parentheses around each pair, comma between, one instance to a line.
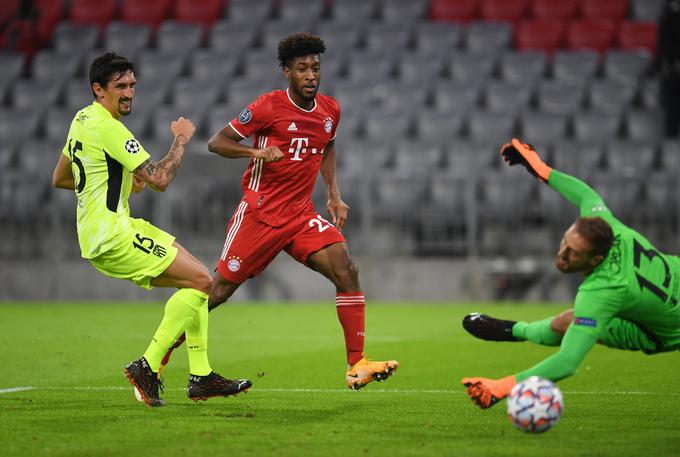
(80,404)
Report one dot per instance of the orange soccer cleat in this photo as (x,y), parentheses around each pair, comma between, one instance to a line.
(365,371)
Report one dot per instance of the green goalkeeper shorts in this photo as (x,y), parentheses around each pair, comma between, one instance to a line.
(144,252)
(623,334)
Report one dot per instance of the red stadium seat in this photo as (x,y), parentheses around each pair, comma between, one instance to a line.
(454,10)
(616,10)
(204,12)
(504,10)
(545,35)
(555,9)
(638,35)
(591,34)
(50,12)
(148,12)
(8,10)
(92,12)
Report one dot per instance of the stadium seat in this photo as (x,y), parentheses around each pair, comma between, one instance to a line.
(92,12)
(58,122)
(159,66)
(263,67)
(49,65)
(392,96)
(491,127)
(242,92)
(644,126)
(558,97)
(204,12)
(488,37)
(78,94)
(387,126)
(217,117)
(591,34)
(610,97)
(301,10)
(382,66)
(163,116)
(545,35)
(504,10)
(420,68)
(35,95)
(12,68)
(353,11)
(670,155)
(432,126)
(274,32)
(351,94)
(646,10)
(649,94)
(504,97)
(248,11)
(631,158)
(579,158)
(542,129)
(638,36)
(596,127)
(49,13)
(127,39)
(189,94)
(454,10)
(615,10)
(559,10)
(432,38)
(386,38)
(627,67)
(575,67)
(523,67)
(212,66)
(403,11)
(339,38)
(8,10)
(233,37)
(414,158)
(149,92)
(178,37)
(149,12)
(18,125)
(75,38)
(471,68)
(138,123)
(453,97)
(395,197)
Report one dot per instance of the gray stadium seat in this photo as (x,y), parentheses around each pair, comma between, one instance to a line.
(149,93)
(138,123)
(578,158)
(523,67)
(188,94)
(339,38)
(159,66)
(77,39)
(488,37)
(351,93)
(12,65)
(471,68)
(398,96)
(39,157)
(597,127)
(627,67)
(351,122)
(50,66)
(353,11)
(575,67)
(415,68)
(233,38)
(242,92)
(179,37)
(558,97)
(489,126)
(670,156)
(212,66)
(456,96)
(396,197)
(217,117)
(633,159)
(127,38)
(403,11)
(274,32)
(387,126)
(248,11)
(649,93)
(610,97)
(36,95)
(164,115)
(386,38)
(434,126)
(644,126)
(646,10)
(78,94)
(432,38)
(414,158)
(263,68)
(369,67)
(464,159)
(542,129)
(502,97)
(58,122)
(18,125)
(301,10)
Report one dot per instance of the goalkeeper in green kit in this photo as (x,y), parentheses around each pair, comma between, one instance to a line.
(628,298)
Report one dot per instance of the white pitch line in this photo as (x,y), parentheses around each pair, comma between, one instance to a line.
(295,390)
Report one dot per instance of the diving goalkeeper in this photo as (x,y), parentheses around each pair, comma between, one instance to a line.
(628,298)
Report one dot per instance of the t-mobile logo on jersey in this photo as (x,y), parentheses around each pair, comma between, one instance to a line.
(299,146)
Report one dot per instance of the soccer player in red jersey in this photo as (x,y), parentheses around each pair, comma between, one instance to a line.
(294,134)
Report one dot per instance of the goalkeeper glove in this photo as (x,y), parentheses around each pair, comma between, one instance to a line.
(486,392)
(518,152)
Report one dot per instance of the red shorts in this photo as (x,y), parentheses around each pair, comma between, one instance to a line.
(251,244)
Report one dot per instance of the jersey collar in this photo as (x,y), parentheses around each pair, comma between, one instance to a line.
(295,105)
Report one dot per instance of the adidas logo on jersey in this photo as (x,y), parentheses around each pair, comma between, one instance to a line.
(292,127)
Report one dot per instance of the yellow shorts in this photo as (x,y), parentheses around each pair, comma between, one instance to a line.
(144,252)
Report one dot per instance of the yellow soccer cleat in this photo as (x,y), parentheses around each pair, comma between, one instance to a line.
(365,371)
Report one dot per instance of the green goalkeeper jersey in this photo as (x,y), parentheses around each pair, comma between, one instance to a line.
(635,283)
(103,155)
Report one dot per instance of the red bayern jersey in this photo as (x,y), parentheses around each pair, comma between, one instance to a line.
(278,191)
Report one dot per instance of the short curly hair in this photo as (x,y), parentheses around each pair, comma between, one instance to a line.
(298,45)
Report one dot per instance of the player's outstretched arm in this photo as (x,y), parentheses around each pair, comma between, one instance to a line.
(159,175)
(337,209)
(226,143)
(62,177)
(571,188)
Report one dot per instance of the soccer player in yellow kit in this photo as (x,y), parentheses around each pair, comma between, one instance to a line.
(627,300)
(103,162)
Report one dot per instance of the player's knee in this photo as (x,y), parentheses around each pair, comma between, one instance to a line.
(203,281)
(561,322)
(347,275)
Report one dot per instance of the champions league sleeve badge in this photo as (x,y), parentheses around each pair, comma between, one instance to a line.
(132,146)
(245,116)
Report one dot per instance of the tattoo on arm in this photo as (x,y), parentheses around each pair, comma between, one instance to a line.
(163,172)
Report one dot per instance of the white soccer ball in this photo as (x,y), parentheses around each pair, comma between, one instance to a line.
(535,405)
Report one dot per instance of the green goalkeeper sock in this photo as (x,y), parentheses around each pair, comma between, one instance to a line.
(197,339)
(538,332)
(180,310)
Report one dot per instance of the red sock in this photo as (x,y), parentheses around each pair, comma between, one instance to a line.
(351,307)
